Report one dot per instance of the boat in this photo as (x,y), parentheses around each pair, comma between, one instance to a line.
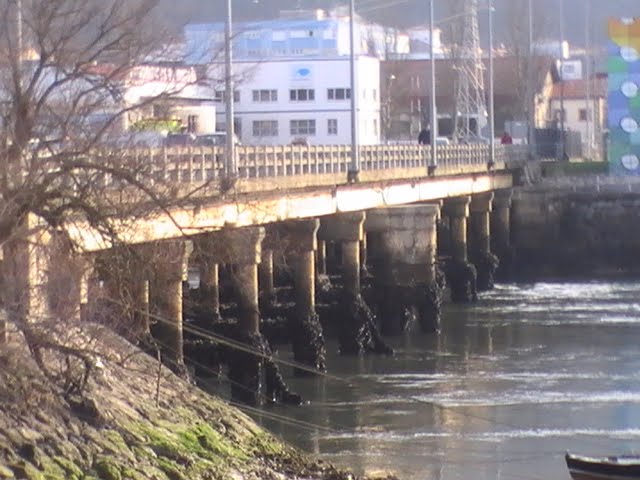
(621,467)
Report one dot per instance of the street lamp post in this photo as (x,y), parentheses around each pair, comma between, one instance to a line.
(354,167)
(230,157)
(530,87)
(433,107)
(587,65)
(562,113)
(492,123)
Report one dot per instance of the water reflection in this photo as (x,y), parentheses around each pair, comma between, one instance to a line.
(502,392)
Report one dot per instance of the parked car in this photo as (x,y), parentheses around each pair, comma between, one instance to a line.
(214,139)
(179,140)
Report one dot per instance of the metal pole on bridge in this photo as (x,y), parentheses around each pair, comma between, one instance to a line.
(433,108)
(492,122)
(230,146)
(354,167)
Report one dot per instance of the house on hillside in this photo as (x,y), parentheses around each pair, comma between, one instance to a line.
(405,91)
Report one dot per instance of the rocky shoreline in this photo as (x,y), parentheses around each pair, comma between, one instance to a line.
(133,420)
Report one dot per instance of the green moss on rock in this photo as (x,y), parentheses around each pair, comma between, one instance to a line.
(70,469)
(107,469)
(172,470)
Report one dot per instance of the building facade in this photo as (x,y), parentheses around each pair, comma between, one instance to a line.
(584,104)
(310,33)
(303,100)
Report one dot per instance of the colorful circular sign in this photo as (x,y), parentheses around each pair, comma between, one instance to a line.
(630,162)
(629,89)
(629,124)
(629,54)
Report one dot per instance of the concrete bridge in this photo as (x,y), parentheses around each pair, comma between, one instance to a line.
(288,205)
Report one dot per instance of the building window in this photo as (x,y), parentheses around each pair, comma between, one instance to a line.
(265,128)
(582,115)
(375,127)
(219,96)
(375,94)
(302,95)
(332,126)
(192,123)
(559,115)
(265,95)
(338,93)
(302,127)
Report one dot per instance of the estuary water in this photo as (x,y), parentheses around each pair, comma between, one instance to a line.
(509,385)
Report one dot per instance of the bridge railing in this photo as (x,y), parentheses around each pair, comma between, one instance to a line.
(202,164)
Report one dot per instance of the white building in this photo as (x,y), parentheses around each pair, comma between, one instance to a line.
(284,100)
(309,33)
(583,113)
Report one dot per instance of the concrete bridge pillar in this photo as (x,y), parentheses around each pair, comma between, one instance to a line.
(241,249)
(265,278)
(461,275)
(209,272)
(480,254)
(27,258)
(358,332)
(321,258)
(169,271)
(125,273)
(210,288)
(501,231)
(346,228)
(404,265)
(300,246)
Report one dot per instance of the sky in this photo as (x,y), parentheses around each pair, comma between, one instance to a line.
(406,13)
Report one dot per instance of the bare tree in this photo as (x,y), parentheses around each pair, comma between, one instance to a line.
(65,66)
(518,44)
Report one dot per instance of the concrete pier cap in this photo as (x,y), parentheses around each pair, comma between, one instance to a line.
(342,227)
(300,235)
(407,217)
(503,198)
(481,202)
(456,206)
(237,246)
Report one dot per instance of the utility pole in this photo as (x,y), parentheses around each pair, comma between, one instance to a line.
(470,99)
(433,106)
(492,123)
(354,167)
(531,94)
(562,112)
(231,167)
(587,68)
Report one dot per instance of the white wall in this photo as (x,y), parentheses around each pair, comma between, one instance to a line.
(572,122)
(314,74)
(205,114)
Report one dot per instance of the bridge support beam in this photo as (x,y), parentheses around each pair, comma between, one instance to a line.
(306,333)
(461,275)
(480,254)
(501,231)
(404,265)
(165,297)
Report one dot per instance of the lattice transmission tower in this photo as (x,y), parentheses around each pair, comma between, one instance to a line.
(470,105)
